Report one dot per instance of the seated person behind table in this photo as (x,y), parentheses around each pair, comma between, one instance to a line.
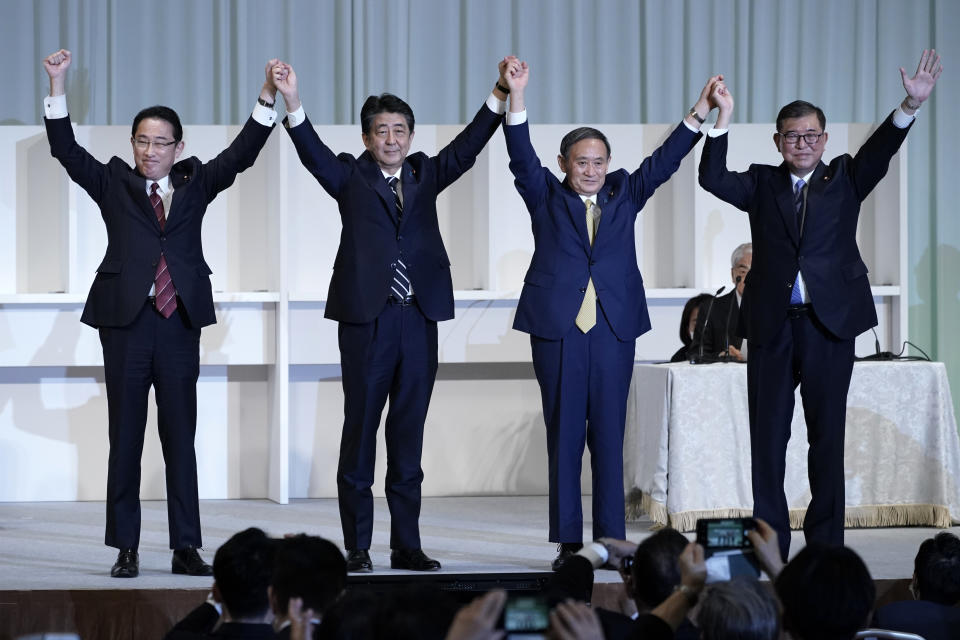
(936,587)
(688,322)
(720,337)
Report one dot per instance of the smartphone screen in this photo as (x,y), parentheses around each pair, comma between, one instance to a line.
(724,533)
(526,614)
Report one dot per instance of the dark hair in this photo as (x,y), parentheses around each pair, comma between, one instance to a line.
(308,567)
(655,570)
(937,569)
(241,569)
(384,103)
(827,593)
(582,133)
(692,303)
(798,109)
(160,113)
(740,609)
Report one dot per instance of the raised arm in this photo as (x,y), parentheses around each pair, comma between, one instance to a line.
(56,65)
(285,80)
(268,93)
(703,104)
(722,99)
(921,84)
(517,73)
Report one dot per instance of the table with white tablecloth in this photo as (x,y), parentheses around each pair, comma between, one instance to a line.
(687,446)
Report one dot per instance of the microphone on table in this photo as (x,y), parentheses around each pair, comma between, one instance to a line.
(878,355)
(706,321)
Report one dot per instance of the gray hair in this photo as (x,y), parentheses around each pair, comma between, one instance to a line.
(739,252)
(741,609)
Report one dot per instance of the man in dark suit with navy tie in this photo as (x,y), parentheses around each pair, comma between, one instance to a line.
(583,303)
(391,285)
(807,295)
(149,300)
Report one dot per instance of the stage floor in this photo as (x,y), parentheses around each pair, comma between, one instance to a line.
(59,545)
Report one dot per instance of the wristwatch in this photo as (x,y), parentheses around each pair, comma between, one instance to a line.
(264,103)
(691,594)
(696,116)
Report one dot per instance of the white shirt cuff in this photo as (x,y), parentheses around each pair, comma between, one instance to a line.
(902,120)
(264,115)
(516,118)
(496,105)
(595,552)
(55,107)
(716,133)
(296,117)
(690,126)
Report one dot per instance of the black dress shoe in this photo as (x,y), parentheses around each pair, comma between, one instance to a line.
(564,551)
(358,561)
(412,560)
(188,562)
(127,564)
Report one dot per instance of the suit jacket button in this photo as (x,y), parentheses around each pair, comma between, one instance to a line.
(583,289)
(593,262)
(393,265)
(154,263)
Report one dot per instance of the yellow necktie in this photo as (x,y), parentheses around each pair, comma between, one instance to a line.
(587,316)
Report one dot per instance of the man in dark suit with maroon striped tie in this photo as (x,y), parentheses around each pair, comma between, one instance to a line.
(149,300)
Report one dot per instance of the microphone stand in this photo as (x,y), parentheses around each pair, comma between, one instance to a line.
(726,329)
(706,321)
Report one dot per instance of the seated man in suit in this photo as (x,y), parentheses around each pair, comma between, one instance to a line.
(391,284)
(715,337)
(936,586)
(583,302)
(149,300)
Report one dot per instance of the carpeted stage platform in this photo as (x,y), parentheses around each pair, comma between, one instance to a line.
(54,569)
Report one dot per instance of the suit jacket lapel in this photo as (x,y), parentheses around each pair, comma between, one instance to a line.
(784,198)
(578,216)
(137,188)
(604,196)
(818,182)
(179,177)
(410,187)
(374,176)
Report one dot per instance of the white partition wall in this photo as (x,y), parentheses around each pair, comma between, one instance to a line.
(270,401)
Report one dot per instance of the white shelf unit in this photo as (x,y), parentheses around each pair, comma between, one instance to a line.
(270,398)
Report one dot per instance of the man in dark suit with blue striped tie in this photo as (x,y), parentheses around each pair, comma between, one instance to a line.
(391,285)
(807,295)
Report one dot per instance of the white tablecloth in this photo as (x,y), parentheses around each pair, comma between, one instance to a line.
(687,446)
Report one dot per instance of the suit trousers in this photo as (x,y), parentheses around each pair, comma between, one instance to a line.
(395,357)
(584,382)
(164,353)
(804,352)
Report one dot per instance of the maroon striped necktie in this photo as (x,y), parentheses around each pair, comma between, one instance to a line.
(166,294)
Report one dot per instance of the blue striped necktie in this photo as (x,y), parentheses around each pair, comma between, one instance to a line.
(401,283)
(795,296)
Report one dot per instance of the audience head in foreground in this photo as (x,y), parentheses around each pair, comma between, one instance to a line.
(826,592)
(241,571)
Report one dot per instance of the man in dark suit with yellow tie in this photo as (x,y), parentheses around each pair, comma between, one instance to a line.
(583,302)
(807,295)
(149,300)
(391,285)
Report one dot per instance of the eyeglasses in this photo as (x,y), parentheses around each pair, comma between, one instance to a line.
(809,138)
(159,145)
